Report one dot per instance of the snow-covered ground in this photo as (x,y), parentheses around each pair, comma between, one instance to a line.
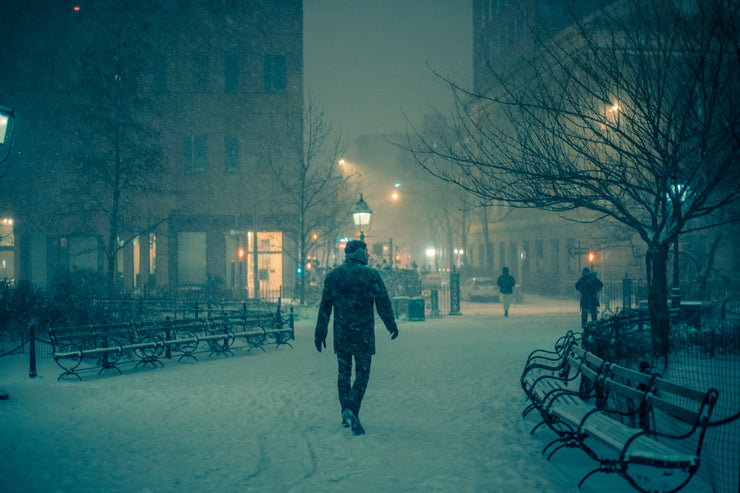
(442,414)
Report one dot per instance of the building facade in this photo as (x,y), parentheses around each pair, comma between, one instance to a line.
(546,251)
(177,110)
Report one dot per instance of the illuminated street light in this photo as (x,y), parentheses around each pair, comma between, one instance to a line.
(458,253)
(362,216)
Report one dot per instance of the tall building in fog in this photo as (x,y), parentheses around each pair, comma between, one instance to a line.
(192,101)
(546,251)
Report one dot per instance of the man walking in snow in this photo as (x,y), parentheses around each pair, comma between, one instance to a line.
(353,290)
(506,283)
(589,286)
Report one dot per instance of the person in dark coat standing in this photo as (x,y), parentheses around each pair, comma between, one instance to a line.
(353,290)
(589,286)
(506,283)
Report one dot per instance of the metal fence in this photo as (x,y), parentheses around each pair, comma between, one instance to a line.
(704,353)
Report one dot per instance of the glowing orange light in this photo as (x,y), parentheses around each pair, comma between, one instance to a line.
(76,8)
(241,252)
(591,256)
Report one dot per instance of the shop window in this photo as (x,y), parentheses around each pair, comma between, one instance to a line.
(191,258)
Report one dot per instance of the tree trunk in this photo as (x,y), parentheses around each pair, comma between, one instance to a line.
(487,244)
(656,263)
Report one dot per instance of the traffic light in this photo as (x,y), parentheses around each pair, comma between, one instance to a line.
(595,257)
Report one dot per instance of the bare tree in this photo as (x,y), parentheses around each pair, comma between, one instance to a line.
(631,114)
(315,190)
(118,161)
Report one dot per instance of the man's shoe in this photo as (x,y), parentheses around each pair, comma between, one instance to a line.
(354,422)
(346,422)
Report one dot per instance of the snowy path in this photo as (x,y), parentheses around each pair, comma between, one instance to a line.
(442,414)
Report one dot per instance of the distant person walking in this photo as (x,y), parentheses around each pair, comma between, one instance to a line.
(589,286)
(353,290)
(506,285)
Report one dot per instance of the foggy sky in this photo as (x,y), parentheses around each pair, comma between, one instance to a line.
(367,60)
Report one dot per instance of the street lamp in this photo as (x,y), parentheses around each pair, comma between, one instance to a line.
(362,215)
(458,253)
(678,195)
(7,120)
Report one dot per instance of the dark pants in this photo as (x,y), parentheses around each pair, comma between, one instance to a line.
(351,394)
(584,315)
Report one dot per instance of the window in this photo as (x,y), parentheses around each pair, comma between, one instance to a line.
(200,72)
(231,73)
(191,258)
(196,153)
(275,75)
(231,153)
(83,252)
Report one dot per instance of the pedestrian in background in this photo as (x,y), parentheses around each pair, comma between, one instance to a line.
(506,285)
(589,286)
(353,290)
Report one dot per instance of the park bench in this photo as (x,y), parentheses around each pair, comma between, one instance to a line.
(255,329)
(625,420)
(97,346)
(108,346)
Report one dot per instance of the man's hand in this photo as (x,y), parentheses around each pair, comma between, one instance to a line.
(319,343)
(394,334)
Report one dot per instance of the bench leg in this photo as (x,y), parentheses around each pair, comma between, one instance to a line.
(67,373)
(150,361)
(221,351)
(110,367)
(536,427)
(607,467)
(566,440)
(187,355)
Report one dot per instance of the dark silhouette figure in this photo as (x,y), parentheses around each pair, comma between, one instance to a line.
(506,283)
(353,290)
(589,286)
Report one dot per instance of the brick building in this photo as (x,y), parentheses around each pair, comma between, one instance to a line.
(208,94)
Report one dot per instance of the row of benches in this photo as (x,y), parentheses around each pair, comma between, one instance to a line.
(625,420)
(108,346)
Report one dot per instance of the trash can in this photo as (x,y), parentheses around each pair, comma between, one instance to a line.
(401,307)
(416,309)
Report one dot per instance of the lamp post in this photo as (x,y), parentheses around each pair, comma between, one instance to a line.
(679,192)
(7,121)
(362,215)
(458,253)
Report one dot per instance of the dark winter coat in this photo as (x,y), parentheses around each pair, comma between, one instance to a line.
(589,287)
(353,290)
(506,283)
